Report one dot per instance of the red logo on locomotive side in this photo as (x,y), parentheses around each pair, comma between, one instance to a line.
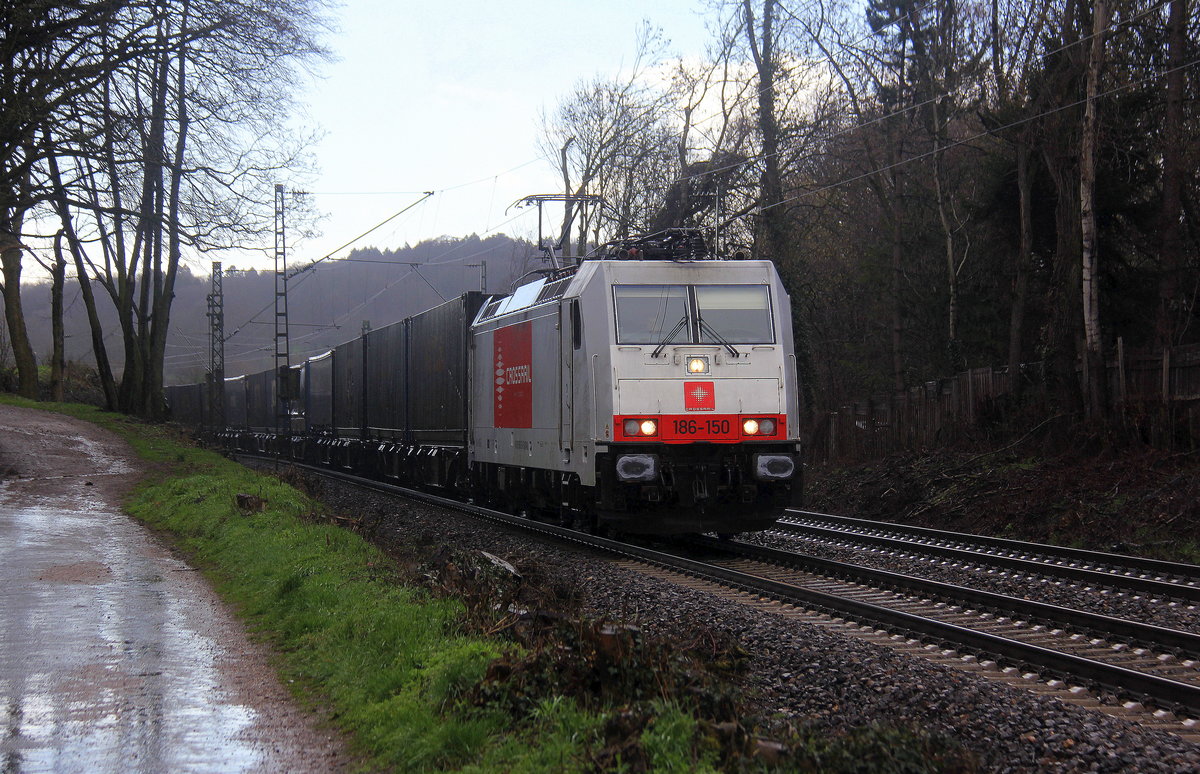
(512,356)
(699,396)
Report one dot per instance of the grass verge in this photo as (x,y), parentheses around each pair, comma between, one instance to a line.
(407,674)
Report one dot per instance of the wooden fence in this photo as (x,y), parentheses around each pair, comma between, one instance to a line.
(1158,394)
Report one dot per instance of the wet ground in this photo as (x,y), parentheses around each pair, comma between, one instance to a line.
(114,654)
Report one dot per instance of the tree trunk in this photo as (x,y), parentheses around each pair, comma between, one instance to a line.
(99,351)
(953,345)
(564,239)
(773,217)
(135,380)
(14,315)
(934,52)
(773,228)
(1094,382)
(58,276)
(103,366)
(1171,244)
(165,289)
(1061,344)
(1020,296)
(897,304)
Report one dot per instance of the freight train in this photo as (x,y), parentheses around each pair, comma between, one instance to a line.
(649,389)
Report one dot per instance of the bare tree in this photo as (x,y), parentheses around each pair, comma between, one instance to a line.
(50,55)
(617,142)
(180,150)
(714,106)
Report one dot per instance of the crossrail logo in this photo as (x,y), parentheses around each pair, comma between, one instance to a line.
(699,396)
(513,368)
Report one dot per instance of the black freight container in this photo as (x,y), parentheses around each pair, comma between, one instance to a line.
(348,389)
(318,393)
(235,402)
(260,401)
(295,399)
(437,371)
(187,403)
(386,393)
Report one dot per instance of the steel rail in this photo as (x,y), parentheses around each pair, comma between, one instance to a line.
(1119,680)
(1100,558)
(1188,591)
(1173,640)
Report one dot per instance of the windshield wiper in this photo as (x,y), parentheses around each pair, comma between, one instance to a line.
(720,339)
(674,332)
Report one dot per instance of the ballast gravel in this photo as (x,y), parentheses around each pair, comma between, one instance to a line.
(804,674)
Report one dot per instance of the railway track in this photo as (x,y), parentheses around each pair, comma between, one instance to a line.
(1120,572)
(1143,663)
(1149,674)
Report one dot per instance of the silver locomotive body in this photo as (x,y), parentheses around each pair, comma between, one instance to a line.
(654,396)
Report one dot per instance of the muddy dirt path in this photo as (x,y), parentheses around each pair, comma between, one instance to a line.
(114,654)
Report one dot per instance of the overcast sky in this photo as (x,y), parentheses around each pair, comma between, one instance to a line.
(446,97)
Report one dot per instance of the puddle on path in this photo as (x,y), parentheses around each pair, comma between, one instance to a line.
(104,664)
(114,655)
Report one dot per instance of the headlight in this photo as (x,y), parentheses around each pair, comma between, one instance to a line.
(697,365)
(639,428)
(759,426)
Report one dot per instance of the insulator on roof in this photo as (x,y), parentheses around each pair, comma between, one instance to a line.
(672,244)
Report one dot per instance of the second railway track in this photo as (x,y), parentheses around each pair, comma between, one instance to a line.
(1117,571)
(1149,664)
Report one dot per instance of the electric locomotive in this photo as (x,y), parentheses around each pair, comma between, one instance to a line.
(652,389)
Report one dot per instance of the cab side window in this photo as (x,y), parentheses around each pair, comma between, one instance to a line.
(576,325)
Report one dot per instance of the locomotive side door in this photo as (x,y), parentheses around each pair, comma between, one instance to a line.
(570,339)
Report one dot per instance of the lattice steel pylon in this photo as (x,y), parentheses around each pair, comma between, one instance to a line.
(216,350)
(283,363)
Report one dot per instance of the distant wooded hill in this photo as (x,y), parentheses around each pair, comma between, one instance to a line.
(326,304)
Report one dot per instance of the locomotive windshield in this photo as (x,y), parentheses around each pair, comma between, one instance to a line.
(740,314)
(648,314)
(693,314)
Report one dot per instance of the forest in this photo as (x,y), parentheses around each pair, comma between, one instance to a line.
(944,184)
(947,184)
